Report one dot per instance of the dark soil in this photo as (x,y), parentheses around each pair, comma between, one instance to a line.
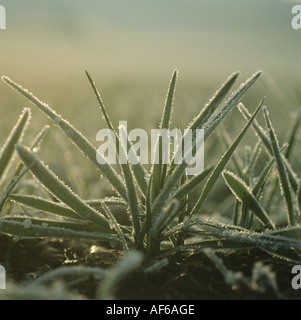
(192,277)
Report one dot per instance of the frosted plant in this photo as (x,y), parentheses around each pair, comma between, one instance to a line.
(156,199)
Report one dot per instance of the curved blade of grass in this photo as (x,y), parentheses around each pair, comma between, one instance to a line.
(292,136)
(157,169)
(167,112)
(219,244)
(115,226)
(288,232)
(191,184)
(10,186)
(59,189)
(266,141)
(82,142)
(183,206)
(20,171)
(253,159)
(15,136)
(283,177)
(199,226)
(147,223)
(159,224)
(110,201)
(170,183)
(177,174)
(277,245)
(72,224)
(133,201)
(245,211)
(213,104)
(226,140)
(33,229)
(132,196)
(257,128)
(210,125)
(102,107)
(259,185)
(180,228)
(221,164)
(175,177)
(243,192)
(34,147)
(287,254)
(266,239)
(233,101)
(236,212)
(209,109)
(263,177)
(45,205)
(141,176)
(138,169)
(164,219)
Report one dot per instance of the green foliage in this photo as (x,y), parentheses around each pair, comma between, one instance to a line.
(10,171)
(163,218)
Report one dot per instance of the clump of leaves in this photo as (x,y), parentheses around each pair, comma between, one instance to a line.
(156,200)
(10,171)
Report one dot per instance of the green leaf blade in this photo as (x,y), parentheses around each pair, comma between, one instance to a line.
(33,228)
(283,177)
(266,141)
(221,164)
(233,101)
(191,184)
(213,104)
(243,192)
(59,189)
(158,172)
(14,137)
(45,205)
(77,137)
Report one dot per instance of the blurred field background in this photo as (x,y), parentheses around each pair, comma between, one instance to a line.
(131,47)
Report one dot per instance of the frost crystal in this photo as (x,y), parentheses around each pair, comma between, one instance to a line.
(57,119)
(69,132)
(27,223)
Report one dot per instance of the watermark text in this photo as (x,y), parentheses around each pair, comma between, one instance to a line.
(134,147)
(2,18)
(296,281)
(296,21)
(2,278)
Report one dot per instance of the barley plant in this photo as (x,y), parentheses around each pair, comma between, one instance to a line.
(156,199)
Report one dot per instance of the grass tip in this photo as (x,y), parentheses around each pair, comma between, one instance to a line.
(19,147)
(265,111)
(23,151)
(235,74)
(5,79)
(26,110)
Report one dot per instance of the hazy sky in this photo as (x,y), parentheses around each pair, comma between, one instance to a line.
(151,35)
(133,46)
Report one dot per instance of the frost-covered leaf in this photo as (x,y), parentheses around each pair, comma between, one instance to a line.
(59,189)
(282,170)
(15,136)
(243,192)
